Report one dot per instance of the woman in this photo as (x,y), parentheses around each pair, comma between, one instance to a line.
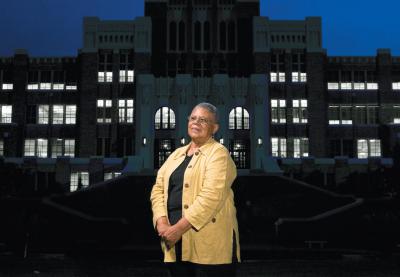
(193,205)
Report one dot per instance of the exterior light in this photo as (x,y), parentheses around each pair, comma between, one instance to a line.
(259,141)
(221,140)
(183,141)
(144,141)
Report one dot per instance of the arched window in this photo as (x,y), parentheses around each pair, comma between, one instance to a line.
(239,119)
(181,36)
(164,119)
(197,36)
(172,36)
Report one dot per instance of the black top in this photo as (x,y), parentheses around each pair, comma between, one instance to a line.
(175,191)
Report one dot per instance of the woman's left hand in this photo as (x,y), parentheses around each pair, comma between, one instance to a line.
(172,235)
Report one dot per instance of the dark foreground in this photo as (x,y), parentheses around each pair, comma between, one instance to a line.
(127,265)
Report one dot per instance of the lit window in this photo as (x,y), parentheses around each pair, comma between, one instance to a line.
(45,86)
(43,114)
(345,115)
(299,77)
(101,77)
(33,86)
(372,86)
(70,114)
(42,148)
(58,114)
(35,147)
(300,111)
(7,86)
(162,149)
(126,76)
(277,68)
(333,86)
(29,148)
(278,111)
(79,180)
(104,107)
(396,86)
(359,86)
(111,175)
(71,87)
(5,113)
(300,147)
(240,152)
(58,86)
(62,147)
(125,111)
(164,119)
(69,147)
(346,86)
(368,148)
(105,77)
(281,77)
(299,74)
(334,115)
(109,77)
(239,119)
(278,147)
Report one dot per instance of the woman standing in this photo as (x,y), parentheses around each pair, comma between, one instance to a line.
(193,204)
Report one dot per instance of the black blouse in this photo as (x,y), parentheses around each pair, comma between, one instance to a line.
(175,191)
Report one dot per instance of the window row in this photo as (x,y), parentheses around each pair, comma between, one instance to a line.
(125,111)
(165,119)
(52,80)
(366,148)
(279,111)
(7,86)
(352,86)
(116,38)
(125,76)
(51,86)
(298,147)
(40,147)
(280,77)
(51,114)
(347,115)
(80,179)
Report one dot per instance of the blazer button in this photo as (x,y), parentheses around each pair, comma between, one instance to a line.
(185,206)
(197,153)
(186,185)
(213,220)
(190,166)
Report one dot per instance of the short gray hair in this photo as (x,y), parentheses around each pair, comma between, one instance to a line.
(209,107)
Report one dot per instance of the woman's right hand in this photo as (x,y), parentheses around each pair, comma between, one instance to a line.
(162,225)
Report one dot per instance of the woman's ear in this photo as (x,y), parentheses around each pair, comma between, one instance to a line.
(216,128)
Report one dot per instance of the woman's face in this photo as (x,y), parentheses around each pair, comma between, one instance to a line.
(201,125)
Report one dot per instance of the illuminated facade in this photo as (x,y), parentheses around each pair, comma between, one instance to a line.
(129,91)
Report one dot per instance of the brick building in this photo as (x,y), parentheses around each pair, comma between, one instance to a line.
(124,99)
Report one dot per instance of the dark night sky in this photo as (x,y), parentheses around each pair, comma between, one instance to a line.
(54,27)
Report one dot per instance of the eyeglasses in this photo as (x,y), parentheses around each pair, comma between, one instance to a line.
(201,120)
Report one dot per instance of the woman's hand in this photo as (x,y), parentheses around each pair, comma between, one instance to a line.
(175,232)
(162,225)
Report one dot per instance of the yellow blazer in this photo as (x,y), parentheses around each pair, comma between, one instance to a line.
(207,203)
